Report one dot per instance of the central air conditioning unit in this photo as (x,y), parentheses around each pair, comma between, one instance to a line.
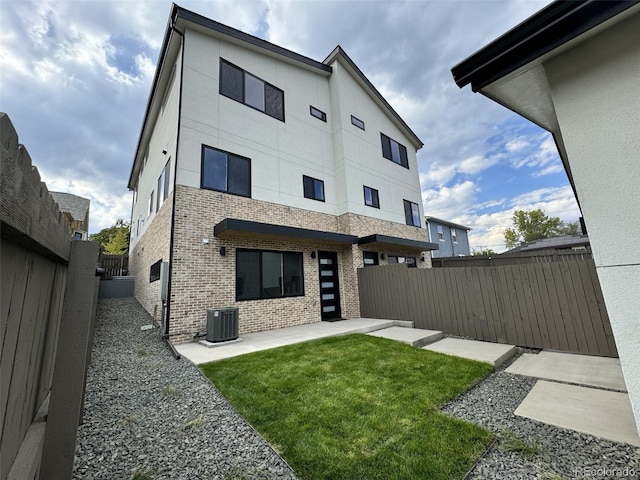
(222,324)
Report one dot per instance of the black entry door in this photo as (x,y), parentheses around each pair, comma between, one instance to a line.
(329,288)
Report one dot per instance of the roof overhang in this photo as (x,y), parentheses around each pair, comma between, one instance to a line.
(447,223)
(510,70)
(232,228)
(386,241)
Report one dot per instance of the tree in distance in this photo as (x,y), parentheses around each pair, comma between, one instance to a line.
(114,240)
(534,225)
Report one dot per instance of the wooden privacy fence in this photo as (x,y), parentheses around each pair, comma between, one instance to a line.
(557,305)
(48,299)
(114,265)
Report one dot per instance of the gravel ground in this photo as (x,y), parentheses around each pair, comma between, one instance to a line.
(550,452)
(145,412)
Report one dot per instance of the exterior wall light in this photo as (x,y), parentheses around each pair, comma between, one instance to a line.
(223,251)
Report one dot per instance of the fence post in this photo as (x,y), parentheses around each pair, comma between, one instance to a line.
(69,376)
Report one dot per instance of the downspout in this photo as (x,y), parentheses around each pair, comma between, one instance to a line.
(173,204)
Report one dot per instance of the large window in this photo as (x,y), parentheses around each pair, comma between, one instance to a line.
(246,88)
(394,151)
(411,213)
(371,197)
(313,188)
(266,274)
(225,172)
(440,233)
(454,235)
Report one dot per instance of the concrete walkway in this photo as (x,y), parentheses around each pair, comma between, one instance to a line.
(415,337)
(586,408)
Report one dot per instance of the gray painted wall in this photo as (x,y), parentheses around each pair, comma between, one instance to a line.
(448,248)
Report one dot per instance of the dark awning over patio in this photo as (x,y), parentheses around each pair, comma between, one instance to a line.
(386,241)
(232,227)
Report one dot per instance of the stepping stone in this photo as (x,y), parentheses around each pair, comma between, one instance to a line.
(588,370)
(413,336)
(494,353)
(600,413)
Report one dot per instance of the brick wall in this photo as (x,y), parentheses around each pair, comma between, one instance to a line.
(151,247)
(202,278)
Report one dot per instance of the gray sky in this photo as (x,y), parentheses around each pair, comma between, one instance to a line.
(75,78)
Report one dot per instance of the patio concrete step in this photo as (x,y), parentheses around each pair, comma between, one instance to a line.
(416,337)
(494,353)
(571,368)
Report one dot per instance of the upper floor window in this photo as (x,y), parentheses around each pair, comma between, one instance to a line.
(411,213)
(313,188)
(150,206)
(371,197)
(225,172)
(454,235)
(246,88)
(163,184)
(440,233)
(394,151)
(357,122)
(319,114)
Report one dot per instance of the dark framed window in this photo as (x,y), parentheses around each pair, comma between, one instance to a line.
(319,114)
(410,261)
(262,274)
(154,271)
(151,204)
(163,184)
(371,197)
(313,188)
(357,122)
(243,87)
(411,213)
(394,151)
(225,172)
(369,259)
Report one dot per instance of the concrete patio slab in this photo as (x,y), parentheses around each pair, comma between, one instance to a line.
(600,413)
(602,372)
(253,342)
(494,353)
(415,337)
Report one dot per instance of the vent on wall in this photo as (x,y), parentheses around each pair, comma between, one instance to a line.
(222,324)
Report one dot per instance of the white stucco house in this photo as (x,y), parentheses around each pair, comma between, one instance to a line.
(574,69)
(264,179)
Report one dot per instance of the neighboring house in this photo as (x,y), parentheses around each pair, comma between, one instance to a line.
(452,238)
(76,211)
(575,243)
(574,69)
(264,179)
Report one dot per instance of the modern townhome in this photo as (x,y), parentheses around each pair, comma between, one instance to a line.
(452,238)
(263,180)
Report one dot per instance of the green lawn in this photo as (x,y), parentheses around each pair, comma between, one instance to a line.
(357,407)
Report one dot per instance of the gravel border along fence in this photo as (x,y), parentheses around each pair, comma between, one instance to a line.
(148,415)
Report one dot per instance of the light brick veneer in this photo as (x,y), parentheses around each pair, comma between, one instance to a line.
(202,278)
(151,247)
